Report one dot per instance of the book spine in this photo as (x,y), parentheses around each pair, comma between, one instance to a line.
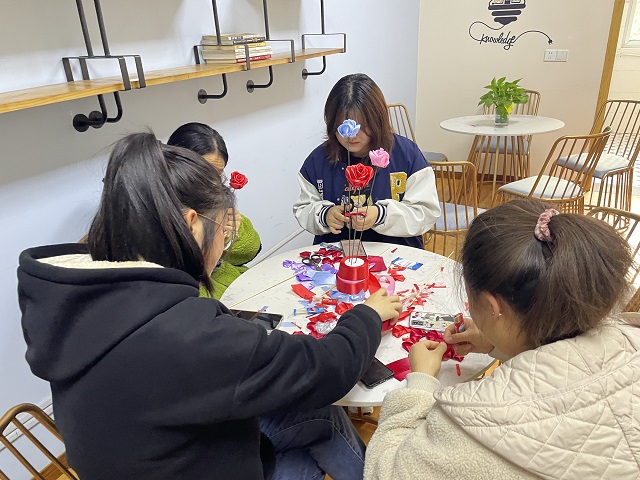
(237,48)
(212,40)
(237,60)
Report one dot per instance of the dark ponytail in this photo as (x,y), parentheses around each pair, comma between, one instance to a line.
(558,288)
(147,188)
(199,138)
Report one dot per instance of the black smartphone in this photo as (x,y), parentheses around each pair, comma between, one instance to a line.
(269,321)
(377,373)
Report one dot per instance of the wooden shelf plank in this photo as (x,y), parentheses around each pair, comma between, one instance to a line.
(48,94)
(62,92)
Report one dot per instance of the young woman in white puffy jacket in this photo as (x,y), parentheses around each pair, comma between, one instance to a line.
(566,403)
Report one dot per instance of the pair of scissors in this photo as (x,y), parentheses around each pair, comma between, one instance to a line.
(313,261)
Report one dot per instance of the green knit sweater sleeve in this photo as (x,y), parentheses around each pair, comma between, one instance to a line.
(246,246)
(243,250)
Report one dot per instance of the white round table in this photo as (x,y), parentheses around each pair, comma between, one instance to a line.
(509,147)
(268,284)
(519,125)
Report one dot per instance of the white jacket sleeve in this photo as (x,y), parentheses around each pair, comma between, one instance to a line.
(310,209)
(416,439)
(416,213)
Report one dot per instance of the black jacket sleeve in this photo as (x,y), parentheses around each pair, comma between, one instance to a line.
(303,372)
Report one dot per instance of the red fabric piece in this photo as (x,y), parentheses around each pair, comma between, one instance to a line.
(376,263)
(386,326)
(400,330)
(418,334)
(405,314)
(303,291)
(297,333)
(343,307)
(323,317)
(401,368)
(305,254)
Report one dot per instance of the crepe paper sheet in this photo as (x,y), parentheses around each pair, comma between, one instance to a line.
(401,368)
(406,263)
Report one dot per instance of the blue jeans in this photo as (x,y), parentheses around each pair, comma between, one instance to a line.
(309,443)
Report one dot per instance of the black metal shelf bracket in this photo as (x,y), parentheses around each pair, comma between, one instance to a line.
(97,119)
(203,96)
(306,73)
(251,85)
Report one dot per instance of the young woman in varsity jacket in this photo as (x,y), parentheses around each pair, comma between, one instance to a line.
(403,204)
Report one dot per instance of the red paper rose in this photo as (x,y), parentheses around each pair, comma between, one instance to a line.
(359,175)
(237,180)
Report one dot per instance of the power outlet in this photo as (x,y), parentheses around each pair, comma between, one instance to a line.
(550,55)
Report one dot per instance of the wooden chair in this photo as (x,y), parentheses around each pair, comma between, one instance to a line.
(401,124)
(615,168)
(17,417)
(456,186)
(626,223)
(493,154)
(563,185)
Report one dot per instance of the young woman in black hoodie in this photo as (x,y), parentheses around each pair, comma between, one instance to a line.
(149,381)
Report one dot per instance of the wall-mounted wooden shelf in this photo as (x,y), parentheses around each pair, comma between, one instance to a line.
(62,92)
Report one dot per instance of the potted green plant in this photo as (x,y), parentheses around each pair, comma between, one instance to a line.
(503,95)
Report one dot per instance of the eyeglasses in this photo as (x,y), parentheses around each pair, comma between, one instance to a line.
(229,234)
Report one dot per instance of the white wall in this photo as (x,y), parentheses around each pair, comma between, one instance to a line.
(51,174)
(625,79)
(453,68)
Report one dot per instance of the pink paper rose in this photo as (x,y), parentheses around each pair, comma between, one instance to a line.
(379,158)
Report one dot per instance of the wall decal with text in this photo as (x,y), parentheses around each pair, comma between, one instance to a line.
(504,12)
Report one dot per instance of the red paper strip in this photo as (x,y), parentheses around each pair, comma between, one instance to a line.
(401,368)
(303,291)
(343,307)
(374,283)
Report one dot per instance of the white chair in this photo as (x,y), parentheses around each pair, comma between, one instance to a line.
(563,184)
(456,186)
(626,223)
(615,167)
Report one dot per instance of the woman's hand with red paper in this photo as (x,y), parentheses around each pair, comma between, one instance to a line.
(365,221)
(426,357)
(471,340)
(387,306)
(335,219)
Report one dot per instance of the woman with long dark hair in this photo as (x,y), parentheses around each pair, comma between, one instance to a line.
(148,379)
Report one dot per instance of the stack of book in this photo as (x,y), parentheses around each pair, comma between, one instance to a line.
(231,48)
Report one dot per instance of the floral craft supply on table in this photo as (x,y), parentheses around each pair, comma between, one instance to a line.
(416,335)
